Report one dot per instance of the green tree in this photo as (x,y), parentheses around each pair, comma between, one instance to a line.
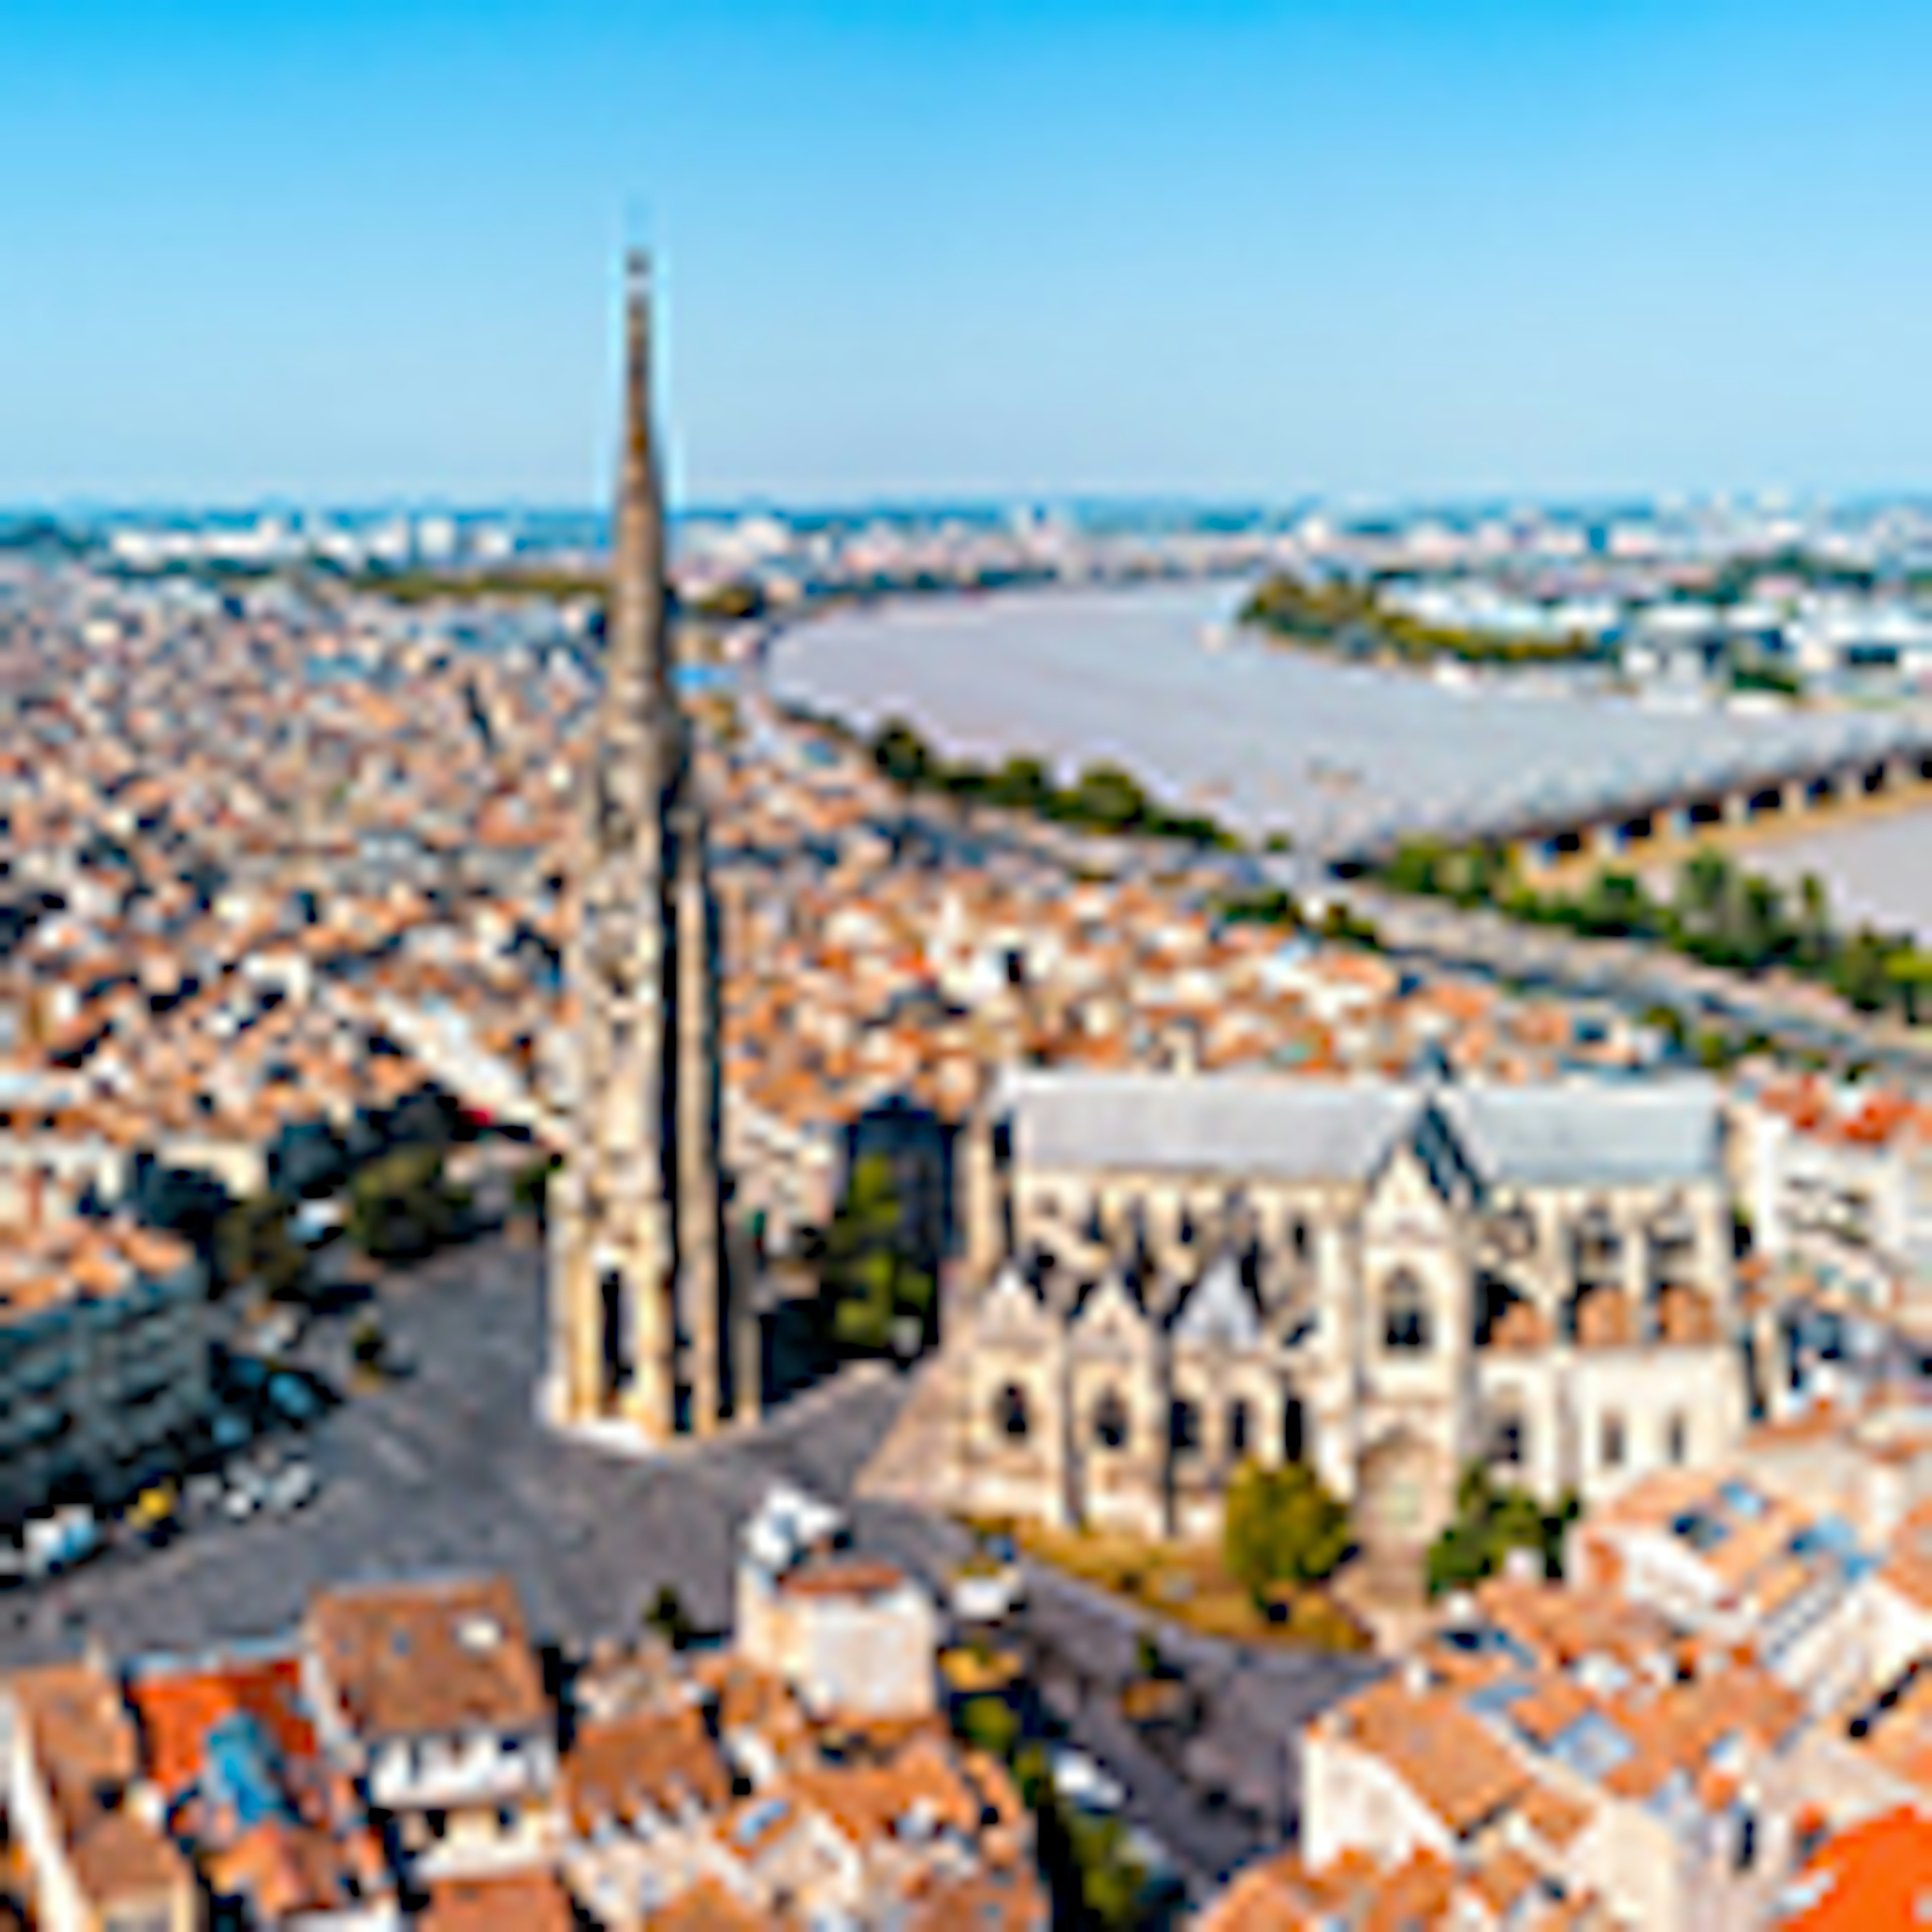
(1492,1519)
(1113,1883)
(1021,784)
(1417,866)
(1281,1525)
(732,602)
(1858,970)
(1108,799)
(529,1191)
(401,1207)
(1615,904)
(368,1347)
(1909,972)
(667,1618)
(1703,895)
(990,1724)
(902,755)
(253,1244)
(1760,933)
(868,1271)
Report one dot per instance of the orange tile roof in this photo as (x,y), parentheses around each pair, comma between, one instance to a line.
(176,1711)
(430,1658)
(662,1759)
(1872,1878)
(528,1902)
(1444,1753)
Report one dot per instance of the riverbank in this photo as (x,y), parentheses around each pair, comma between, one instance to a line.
(1874,853)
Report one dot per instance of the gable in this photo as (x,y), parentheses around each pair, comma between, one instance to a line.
(1108,1313)
(1218,1311)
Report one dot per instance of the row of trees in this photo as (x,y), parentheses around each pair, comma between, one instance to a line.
(401,1208)
(1340,616)
(1715,912)
(1104,798)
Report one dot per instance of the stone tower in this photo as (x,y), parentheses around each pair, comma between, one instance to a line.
(640,1309)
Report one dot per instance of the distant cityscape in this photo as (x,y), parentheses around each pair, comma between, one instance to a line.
(1833,597)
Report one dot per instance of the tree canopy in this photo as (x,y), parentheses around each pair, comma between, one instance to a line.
(869,1273)
(1716,912)
(1492,1519)
(1282,1525)
(1104,798)
(401,1207)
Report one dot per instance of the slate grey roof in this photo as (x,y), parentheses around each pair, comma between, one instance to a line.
(1287,1129)
(1590,1132)
(1573,1132)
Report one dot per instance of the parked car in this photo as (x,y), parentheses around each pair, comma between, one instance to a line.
(60,1539)
(204,1493)
(245,1495)
(291,1489)
(292,1399)
(987,1591)
(1081,1782)
(229,1430)
(278,1331)
(154,1515)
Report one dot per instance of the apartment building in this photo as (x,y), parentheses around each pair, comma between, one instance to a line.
(77,1806)
(104,1360)
(1585,1739)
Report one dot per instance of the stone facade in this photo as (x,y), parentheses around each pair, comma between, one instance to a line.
(640,1318)
(1167,1275)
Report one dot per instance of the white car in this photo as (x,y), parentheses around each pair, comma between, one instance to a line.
(1082,1782)
(247,1492)
(279,1333)
(291,1489)
(988,1593)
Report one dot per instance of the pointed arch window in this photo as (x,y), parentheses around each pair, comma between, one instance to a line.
(1405,1324)
(1294,1446)
(1010,1411)
(614,1325)
(1111,1425)
(1183,1427)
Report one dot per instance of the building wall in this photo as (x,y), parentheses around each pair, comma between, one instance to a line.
(1352,1800)
(1626,1292)
(88,1388)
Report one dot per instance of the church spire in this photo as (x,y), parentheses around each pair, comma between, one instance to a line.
(636,632)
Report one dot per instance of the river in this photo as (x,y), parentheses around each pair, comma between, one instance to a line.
(1157,677)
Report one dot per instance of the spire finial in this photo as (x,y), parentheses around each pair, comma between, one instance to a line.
(637,611)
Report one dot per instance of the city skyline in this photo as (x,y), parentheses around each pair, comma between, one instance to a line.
(1413,251)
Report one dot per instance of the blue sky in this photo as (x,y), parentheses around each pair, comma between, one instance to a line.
(1397,247)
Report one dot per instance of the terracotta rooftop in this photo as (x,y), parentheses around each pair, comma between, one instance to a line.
(429,1659)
